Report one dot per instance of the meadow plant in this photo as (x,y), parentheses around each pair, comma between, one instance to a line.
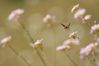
(79,13)
(49,20)
(15,15)
(91,49)
(5,40)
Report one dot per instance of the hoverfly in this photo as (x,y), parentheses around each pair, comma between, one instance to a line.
(66,26)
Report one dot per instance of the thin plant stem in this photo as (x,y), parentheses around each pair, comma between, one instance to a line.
(29,35)
(45,56)
(93,62)
(75,64)
(19,55)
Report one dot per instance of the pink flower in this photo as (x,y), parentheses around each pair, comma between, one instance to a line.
(95,29)
(15,15)
(73,35)
(5,40)
(49,18)
(79,13)
(37,44)
(90,49)
(67,44)
(62,47)
(86,18)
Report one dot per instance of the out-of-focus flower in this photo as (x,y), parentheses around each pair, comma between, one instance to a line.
(74,8)
(37,44)
(15,15)
(95,29)
(95,22)
(49,19)
(73,35)
(86,18)
(90,49)
(5,40)
(61,48)
(79,13)
(67,44)
(71,42)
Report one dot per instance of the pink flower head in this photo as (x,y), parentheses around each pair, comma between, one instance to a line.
(95,29)
(15,15)
(90,49)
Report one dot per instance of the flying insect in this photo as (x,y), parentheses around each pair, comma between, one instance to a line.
(66,26)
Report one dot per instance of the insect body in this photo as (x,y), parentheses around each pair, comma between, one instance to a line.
(66,27)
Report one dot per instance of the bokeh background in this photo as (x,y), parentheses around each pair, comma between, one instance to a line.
(35,10)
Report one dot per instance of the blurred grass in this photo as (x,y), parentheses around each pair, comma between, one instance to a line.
(35,10)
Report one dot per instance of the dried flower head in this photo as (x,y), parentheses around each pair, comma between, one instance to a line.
(95,29)
(73,35)
(74,8)
(5,40)
(79,13)
(37,44)
(90,49)
(15,15)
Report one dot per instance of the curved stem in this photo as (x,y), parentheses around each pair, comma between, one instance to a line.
(71,59)
(93,62)
(29,35)
(19,55)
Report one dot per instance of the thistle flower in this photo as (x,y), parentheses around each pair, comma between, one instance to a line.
(37,44)
(90,49)
(95,29)
(15,15)
(5,40)
(74,8)
(73,35)
(79,13)
(67,44)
